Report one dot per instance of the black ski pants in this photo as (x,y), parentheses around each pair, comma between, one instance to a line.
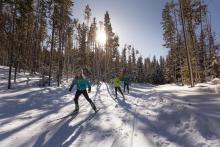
(85,94)
(126,86)
(116,91)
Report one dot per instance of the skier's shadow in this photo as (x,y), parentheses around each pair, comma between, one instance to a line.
(64,136)
(123,103)
(119,101)
(34,100)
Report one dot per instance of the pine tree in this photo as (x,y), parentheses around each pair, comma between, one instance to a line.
(140,69)
(109,43)
(124,58)
(181,23)
(82,29)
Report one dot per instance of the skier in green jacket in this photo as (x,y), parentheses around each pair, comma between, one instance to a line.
(81,84)
(116,83)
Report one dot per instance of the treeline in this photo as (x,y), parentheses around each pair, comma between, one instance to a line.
(194,52)
(35,36)
(42,37)
(142,70)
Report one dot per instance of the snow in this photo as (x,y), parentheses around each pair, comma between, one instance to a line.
(151,116)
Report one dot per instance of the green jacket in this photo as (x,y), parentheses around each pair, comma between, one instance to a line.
(81,84)
(116,82)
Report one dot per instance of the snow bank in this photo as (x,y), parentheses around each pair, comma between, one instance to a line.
(191,114)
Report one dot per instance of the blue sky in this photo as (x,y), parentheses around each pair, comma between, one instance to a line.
(137,22)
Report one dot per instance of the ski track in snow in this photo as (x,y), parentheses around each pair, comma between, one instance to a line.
(150,116)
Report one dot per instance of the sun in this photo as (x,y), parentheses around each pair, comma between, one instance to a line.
(101,36)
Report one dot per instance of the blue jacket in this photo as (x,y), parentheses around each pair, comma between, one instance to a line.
(126,80)
(81,84)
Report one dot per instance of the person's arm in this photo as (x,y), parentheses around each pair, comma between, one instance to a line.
(71,86)
(89,85)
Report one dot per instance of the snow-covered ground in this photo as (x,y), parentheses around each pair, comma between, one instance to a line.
(157,116)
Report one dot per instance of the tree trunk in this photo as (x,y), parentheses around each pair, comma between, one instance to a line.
(15,72)
(186,47)
(11,50)
(51,53)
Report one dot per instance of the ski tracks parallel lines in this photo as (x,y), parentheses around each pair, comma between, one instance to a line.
(134,121)
(138,99)
(133,129)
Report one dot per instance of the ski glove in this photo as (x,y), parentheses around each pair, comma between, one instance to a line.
(89,90)
(71,87)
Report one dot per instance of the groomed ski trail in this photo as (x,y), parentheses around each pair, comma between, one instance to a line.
(150,116)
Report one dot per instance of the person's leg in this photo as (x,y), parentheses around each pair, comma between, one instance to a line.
(88,99)
(119,89)
(78,93)
(124,87)
(116,89)
(128,87)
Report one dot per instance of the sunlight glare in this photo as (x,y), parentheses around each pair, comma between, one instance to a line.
(101,36)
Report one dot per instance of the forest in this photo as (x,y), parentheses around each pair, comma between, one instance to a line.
(42,37)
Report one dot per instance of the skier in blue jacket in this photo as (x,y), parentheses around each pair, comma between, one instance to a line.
(81,84)
(126,81)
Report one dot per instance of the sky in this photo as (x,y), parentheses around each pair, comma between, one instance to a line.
(137,22)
